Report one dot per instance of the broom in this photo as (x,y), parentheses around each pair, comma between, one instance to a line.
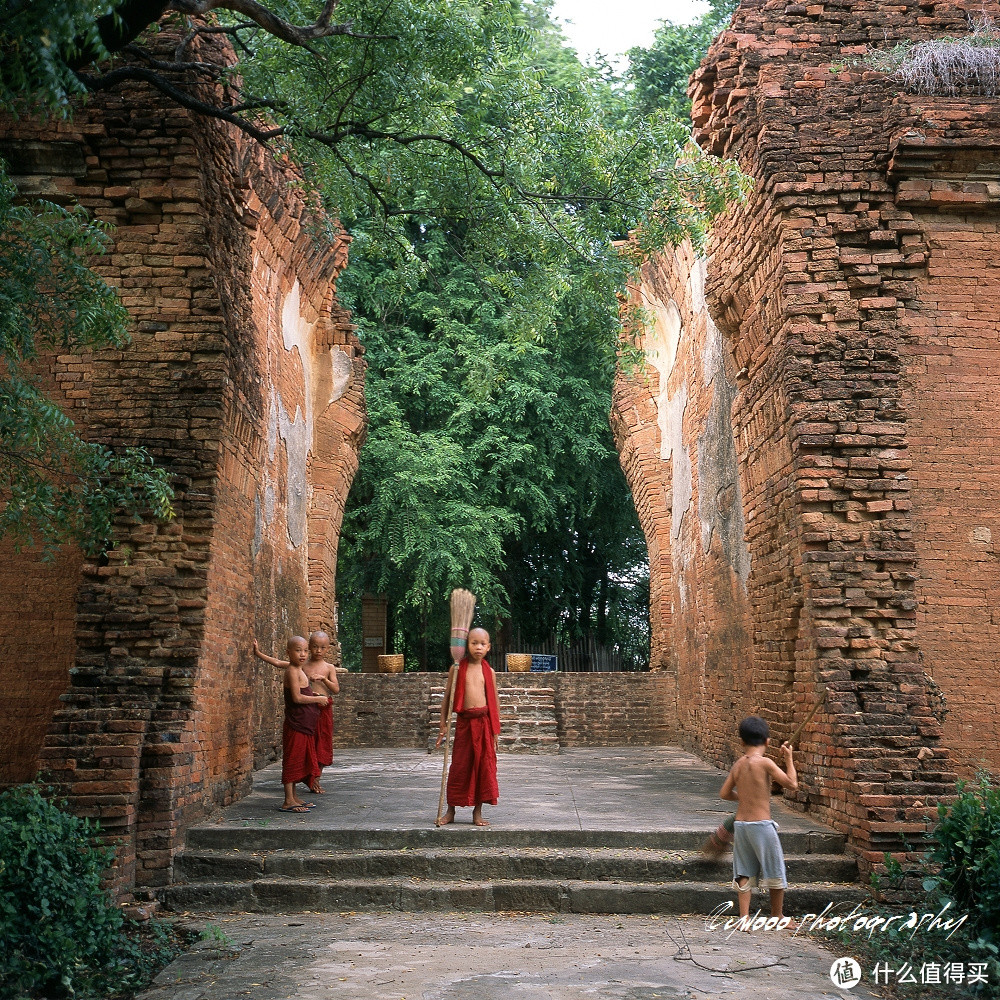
(463,607)
(718,843)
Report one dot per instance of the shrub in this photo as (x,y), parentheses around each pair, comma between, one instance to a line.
(968,851)
(60,931)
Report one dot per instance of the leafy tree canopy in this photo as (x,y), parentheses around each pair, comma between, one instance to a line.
(490,375)
(660,73)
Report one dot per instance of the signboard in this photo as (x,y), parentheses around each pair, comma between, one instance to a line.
(541,662)
(373,641)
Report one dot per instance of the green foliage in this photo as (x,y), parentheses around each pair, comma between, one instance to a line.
(60,932)
(489,461)
(491,323)
(59,487)
(967,850)
(660,73)
(960,878)
(38,40)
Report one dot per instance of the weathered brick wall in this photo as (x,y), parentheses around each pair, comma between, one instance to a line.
(37,643)
(952,355)
(675,428)
(244,380)
(592,709)
(839,302)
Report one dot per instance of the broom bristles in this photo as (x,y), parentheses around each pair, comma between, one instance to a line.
(463,607)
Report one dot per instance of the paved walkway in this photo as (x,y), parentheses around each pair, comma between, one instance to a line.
(416,956)
(506,956)
(634,789)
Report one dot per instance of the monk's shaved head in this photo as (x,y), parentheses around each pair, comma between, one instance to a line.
(480,630)
(296,640)
(319,636)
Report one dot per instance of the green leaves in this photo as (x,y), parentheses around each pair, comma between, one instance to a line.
(38,40)
(56,486)
(60,931)
(968,852)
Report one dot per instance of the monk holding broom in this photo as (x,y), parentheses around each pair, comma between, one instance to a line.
(472,777)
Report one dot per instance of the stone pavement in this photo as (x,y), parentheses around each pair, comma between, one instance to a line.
(624,797)
(416,956)
(607,789)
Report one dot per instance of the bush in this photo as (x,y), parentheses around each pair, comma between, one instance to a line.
(968,852)
(962,873)
(60,932)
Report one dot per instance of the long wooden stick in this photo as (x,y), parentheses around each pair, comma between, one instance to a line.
(805,722)
(452,684)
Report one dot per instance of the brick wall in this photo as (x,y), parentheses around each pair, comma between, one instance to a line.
(953,414)
(592,709)
(840,303)
(244,379)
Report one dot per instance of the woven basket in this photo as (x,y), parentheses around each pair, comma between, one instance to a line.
(390,663)
(518,663)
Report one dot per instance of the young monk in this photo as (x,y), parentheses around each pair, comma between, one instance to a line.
(757,855)
(302,708)
(323,679)
(472,776)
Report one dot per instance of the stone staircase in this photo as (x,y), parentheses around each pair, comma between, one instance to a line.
(461,868)
(527,719)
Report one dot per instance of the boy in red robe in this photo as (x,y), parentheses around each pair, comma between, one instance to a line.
(472,776)
(302,709)
(322,676)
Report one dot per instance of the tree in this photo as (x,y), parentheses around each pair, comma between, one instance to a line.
(460,117)
(660,73)
(492,345)
(54,485)
(489,461)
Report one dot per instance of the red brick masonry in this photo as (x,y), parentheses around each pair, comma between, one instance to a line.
(812,448)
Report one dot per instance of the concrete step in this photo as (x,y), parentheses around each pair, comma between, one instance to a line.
(247,838)
(276,895)
(508,864)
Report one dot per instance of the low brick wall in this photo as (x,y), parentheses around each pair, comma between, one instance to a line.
(592,709)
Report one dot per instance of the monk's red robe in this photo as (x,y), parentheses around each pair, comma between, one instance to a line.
(472,776)
(298,743)
(324,735)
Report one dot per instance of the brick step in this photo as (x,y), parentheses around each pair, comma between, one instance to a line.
(304,838)
(596,865)
(540,744)
(276,895)
(527,720)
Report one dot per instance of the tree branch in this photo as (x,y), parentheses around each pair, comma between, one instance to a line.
(294,34)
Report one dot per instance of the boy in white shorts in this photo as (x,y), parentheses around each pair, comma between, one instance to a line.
(757,856)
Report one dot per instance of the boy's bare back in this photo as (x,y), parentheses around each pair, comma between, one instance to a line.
(749,783)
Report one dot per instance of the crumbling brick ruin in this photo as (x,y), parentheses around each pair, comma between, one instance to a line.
(812,448)
(245,381)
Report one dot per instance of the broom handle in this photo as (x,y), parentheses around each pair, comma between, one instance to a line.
(805,722)
(453,682)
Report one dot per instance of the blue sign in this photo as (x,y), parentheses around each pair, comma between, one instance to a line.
(541,662)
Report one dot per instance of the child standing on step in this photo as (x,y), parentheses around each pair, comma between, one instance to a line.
(472,775)
(757,855)
(323,678)
(302,709)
